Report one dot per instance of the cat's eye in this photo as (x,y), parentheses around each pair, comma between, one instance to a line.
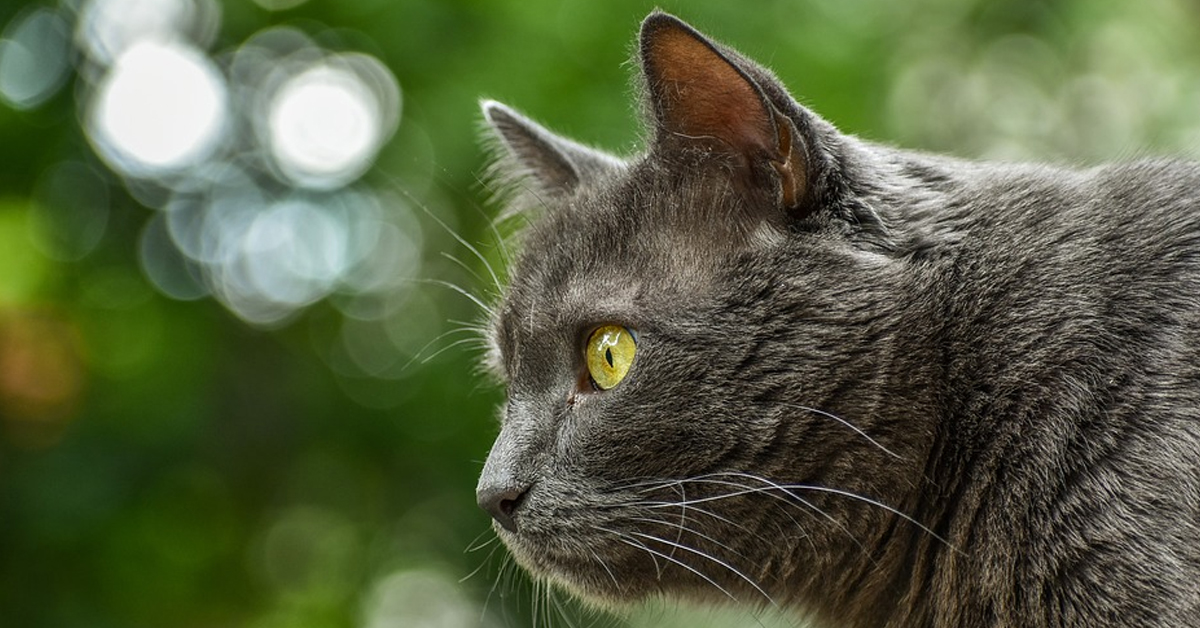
(609,354)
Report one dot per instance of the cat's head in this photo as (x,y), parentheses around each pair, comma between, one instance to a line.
(686,334)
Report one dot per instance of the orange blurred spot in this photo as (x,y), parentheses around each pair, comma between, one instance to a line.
(41,376)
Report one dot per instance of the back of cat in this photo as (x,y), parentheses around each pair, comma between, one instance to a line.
(772,363)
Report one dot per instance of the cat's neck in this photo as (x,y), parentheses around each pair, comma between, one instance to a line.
(1036,332)
(886,506)
(947,377)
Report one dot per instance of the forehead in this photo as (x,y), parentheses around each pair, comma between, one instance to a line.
(645,239)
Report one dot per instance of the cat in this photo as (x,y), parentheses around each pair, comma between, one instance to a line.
(772,363)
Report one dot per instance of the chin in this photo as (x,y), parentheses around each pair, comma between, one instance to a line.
(597,572)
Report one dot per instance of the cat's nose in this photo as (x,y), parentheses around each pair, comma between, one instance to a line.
(501,502)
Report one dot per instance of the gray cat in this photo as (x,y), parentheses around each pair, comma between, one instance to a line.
(769,362)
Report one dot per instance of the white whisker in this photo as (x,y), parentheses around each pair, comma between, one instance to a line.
(474,251)
(632,542)
(499,576)
(693,532)
(710,557)
(417,356)
(558,605)
(475,548)
(492,223)
(456,343)
(441,282)
(479,328)
(487,559)
(768,490)
(611,575)
(691,505)
(848,424)
(833,491)
(462,265)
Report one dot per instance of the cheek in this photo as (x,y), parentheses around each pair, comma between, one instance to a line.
(664,439)
(672,417)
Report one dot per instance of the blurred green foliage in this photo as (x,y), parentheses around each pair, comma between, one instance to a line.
(162,463)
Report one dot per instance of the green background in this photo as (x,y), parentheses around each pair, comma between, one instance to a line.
(163,463)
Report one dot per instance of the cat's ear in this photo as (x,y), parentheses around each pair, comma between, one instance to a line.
(705,96)
(556,164)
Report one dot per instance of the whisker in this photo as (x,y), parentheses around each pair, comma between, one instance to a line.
(658,571)
(462,265)
(727,520)
(771,485)
(487,559)
(848,424)
(767,490)
(475,548)
(616,585)
(691,531)
(552,596)
(421,352)
(456,343)
(632,542)
(441,282)
(690,505)
(877,504)
(834,491)
(499,576)
(535,599)
(650,484)
(710,557)
(492,222)
(742,489)
(682,513)
(454,234)
(474,326)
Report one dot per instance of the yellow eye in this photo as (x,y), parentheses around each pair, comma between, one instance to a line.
(609,354)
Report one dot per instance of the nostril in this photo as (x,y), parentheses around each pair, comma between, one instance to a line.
(502,503)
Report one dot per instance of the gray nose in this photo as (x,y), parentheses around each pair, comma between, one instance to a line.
(501,502)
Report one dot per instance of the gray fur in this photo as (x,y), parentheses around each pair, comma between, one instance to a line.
(1008,355)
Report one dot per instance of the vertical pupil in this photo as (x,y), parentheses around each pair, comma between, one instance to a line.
(608,356)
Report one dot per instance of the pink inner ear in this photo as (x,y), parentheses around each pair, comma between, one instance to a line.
(701,94)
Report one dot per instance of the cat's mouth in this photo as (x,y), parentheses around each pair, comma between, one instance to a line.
(585,547)
(622,551)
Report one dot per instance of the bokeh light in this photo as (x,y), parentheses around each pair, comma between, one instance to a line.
(109,28)
(167,268)
(161,109)
(279,5)
(71,210)
(326,123)
(253,156)
(425,598)
(310,549)
(35,51)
